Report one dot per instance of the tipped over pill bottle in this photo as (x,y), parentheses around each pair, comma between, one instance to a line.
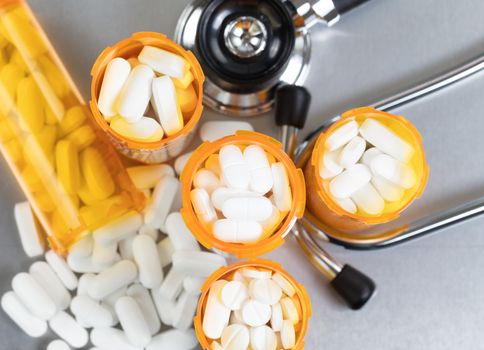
(143,83)
(66,167)
(253,304)
(242,194)
(364,170)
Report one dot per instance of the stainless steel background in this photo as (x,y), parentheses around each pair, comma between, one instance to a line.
(431,291)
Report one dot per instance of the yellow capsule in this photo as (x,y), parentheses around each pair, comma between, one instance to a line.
(73,119)
(187,99)
(46,138)
(10,76)
(54,76)
(50,117)
(183,82)
(67,165)
(8,130)
(74,199)
(96,214)
(86,197)
(17,60)
(13,148)
(30,105)
(44,202)
(82,137)
(59,225)
(31,178)
(3,57)
(213,163)
(96,174)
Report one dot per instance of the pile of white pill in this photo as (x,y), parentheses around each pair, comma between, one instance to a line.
(256,309)
(367,166)
(129,85)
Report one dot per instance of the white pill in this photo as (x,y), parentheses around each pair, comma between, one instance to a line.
(235,171)
(104,254)
(112,279)
(67,328)
(236,317)
(235,337)
(260,170)
(394,171)
(58,345)
(28,231)
(217,315)
(15,309)
(263,338)
(82,247)
(113,297)
(174,339)
(369,155)
(234,294)
(126,248)
(172,285)
(255,273)
(197,263)
(203,206)
(271,223)
(180,235)
(115,76)
(51,284)
(162,200)
(265,291)
(146,257)
(118,229)
(276,317)
(285,285)
(282,189)
(193,285)
(145,129)
(329,166)
(247,208)
(181,161)
(133,322)
(234,231)
(289,310)
(136,93)
(146,305)
(165,251)
(222,194)
(165,105)
(255,314)
(111,339)
(149,231)
(288,334)
(185,310)
(390,192)
(216,346)
(164,307)
(84,264)
(352,152)
(147,176)
(238,276)
(368,200)
(349,181)
(164,62)
(214,130)
(207,180)
(91,312)
(342,135)
(347,204)
(84,282)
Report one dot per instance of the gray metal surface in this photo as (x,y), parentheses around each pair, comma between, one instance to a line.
(431,291)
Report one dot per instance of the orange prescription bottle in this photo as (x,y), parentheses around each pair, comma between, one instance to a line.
(322,209)
(270,240)
(167,147)
(71,175)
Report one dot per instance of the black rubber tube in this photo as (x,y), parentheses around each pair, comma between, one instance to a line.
(354,287)
(292,105)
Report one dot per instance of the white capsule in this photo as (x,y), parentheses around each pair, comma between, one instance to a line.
(282,189)
(289,310)
(146,257)
(84,264)
(251,273)
(329,166)
(197,263)
(276,317)
(352,152)
(165,105)
(263,338)
(145,129)
(104,254)
(288,335)
(58,345)
(260,170)
(214,130)
(174,339)
(15,309)
(193,285)
(349,181)
(118,229)
(390,192)
(285,285)
(147,176)
(181,161)
(164,306)
(111,339)
(115,76)
(164,62)
(203,206)
(271,223)
(180,235)
(234,294)
(394,171)
(147,307)
(136,93)
(185,309)
(67,328)
(233,231)
(62,270)
(172,285)
(222,194)
(28,231)
(342,135)
(126,248)
(149,231)
(235,171)
(132,321)
(82,247)
(265,291)
(368,156)
(347,204)
(111,299)
(255,314)
(235,337)
(165,251)
(51,284)
(247,209)
(84,282)
(111,279)
(91,312)
(216,316)
(216,346)
(207,180)
(162,200)
(368,200)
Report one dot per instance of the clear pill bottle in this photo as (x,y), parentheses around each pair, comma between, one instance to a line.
(300,298)
(72,176)
(167,147)
(322,209)
(270,240)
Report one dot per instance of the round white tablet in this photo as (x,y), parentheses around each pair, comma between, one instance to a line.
(234,294)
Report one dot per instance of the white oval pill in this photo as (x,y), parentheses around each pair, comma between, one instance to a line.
(369,155)
(276,317)
(148,176)
(165,105)
(115,76)
(111,339)
(263,338)
(342,135)
(207,180)
(394,171)
(234,231)
(27,228)
(260,171)
(222,194)
(112,279)
(84,282)
(67,328)
(285,285)
(235,171)
(247,208)
(203,206)
(368,200)
(149,231)
(216,316)
(91,312)
(162,200)
(145,254)
(58,345)
(282,189)
(104,254)
(329,166)
(83,247)
(197,263)
(390,192)
(234,294)
(235,337)
(84,264)
(255,314)
(174,339)
(289,310)
(352,152)
(146,305)
(163,61)
(132,321)
(181,161)
(118,229)
(255,273)
(288,335)
(180,235)
(349,181)
(273,221)
(15,309)
(164,306)
(216,346)
(165,251)
(265,291)
(145,129)
(193,285)
(347,204)
(48,280)
(172,285)
(185,309)
(214,130)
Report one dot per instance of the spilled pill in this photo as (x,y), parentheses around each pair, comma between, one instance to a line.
(133,322)
(33,326)
(214,130)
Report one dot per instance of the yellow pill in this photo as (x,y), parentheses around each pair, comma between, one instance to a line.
(46,138)
(99,213)
(3,57)
(183,82)
(8,130)
(30,105)
(213,163)
(13,148)
(31,178)
(186,98)
(54,76)
(73,119)
(86,197)
(10,76)
(50,117)
(67,166)
(59,225)
(96,174)
(82,137)
(17,60)
(44,202)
